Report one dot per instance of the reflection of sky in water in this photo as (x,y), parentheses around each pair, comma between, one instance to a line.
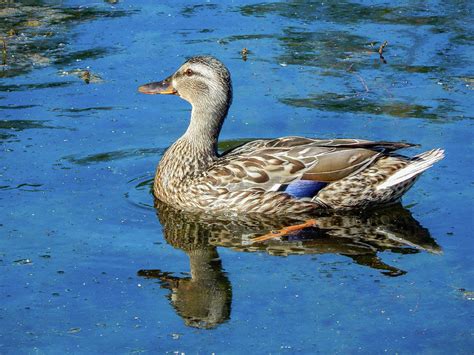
(77,159)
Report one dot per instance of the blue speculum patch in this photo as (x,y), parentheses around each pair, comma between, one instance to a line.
(304,188)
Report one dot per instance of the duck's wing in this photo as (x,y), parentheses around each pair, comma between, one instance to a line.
(271,164)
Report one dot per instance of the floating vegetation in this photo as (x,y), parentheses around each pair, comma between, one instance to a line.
(38,35)
(421,69)
(330,50)
(32,23)
(39,60)
(84,109)
(352,103)
(8,128)
(84,74)
(20,125)
(110,156)
(4,52)
(191,10)
(345,13)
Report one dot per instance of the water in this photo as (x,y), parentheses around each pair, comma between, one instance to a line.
(90,266)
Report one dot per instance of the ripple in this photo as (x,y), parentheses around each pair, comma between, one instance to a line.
(28,187)
(28,87)
(8,128)
(140,193)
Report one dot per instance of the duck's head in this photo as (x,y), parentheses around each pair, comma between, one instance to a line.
(203,81)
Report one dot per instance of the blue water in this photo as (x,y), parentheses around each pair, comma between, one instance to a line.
(88,264)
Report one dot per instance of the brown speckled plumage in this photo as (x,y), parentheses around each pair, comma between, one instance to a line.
(252,178)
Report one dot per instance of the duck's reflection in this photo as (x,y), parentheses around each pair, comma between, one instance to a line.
(204,299)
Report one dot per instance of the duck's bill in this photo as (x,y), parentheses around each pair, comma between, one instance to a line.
(160,87)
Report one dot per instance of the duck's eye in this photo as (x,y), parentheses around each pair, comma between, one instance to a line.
(189,72)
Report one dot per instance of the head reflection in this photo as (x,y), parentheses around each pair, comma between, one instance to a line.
(204,299)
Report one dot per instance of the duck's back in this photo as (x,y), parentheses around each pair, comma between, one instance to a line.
(295,174)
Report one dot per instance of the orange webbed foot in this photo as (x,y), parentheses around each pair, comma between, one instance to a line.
(284,231)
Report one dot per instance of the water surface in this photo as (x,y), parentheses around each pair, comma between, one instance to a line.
(90,266)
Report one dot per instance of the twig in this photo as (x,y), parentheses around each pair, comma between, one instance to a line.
(381,48)
(361,79)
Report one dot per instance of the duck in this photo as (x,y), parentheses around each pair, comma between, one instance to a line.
(277,176)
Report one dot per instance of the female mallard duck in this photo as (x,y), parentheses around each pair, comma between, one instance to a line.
(271,176)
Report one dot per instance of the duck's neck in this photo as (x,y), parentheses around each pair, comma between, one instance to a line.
(197,148)
(203,131)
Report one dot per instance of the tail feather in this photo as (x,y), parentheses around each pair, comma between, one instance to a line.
(417,165)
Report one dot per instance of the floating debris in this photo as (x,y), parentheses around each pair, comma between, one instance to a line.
(83,74)
(86,76)
(382,47)
(469,82)
(244,53)
(74,330)
(23,262)
(175,336)
(466,294)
